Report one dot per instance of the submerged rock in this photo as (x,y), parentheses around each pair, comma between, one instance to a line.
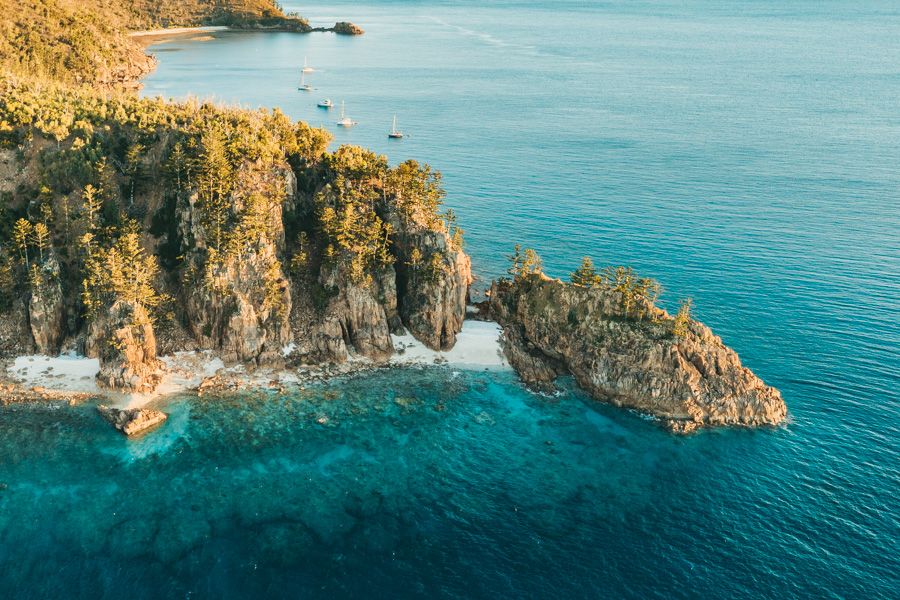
(132,421)
(628,358)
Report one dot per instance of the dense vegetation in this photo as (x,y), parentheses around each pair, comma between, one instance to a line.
(111,176)
(238,13)
(633,291)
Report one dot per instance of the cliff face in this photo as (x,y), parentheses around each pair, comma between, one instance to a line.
(552,328)
(360,317)
(357,316)
(240,307)
(221,229)
(431,298)
(46,310)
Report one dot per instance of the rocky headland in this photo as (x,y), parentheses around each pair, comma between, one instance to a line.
(133,231)
(628,354)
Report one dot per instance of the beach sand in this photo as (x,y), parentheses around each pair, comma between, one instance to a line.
(477,347)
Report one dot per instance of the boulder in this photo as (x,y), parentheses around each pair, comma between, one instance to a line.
(347,28)
(132,421)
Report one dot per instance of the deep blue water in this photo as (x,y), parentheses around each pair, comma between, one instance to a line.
(744,153)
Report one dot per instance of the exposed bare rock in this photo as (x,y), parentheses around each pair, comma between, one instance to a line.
(629,359)
(46,310)
(124,342)
(240,306)
(536,369)
(15,333)
(132,421)
(347,28)
(431,295)
(11,171)
(127,73)
(358,312)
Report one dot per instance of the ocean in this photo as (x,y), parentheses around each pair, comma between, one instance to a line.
(745,154)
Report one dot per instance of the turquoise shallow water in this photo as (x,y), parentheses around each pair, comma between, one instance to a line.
(742,153)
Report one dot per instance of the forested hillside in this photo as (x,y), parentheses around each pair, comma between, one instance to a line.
(178,13)
(86,41)
(132,225)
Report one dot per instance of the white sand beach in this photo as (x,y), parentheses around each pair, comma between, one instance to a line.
(477,347)
(177,31)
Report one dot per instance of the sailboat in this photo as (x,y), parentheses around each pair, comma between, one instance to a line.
(306,67)
(326,103)
(394,132)
(345,120)
(304,87)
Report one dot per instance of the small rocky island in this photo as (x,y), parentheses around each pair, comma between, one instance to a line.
(132,229)
(605,330)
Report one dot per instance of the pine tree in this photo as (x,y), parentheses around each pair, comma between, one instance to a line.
(515,259)
(138,269)
(532,263)
(586,274)
(682,322)
(93,203)
(132,168)
(41,238)
(274,288)
(300,259)
(415,259)
(22,235)
(107,184)
(177,165)
(214,183)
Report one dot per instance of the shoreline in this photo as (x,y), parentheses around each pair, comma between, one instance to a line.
(151,37)
(177,31)
(71,378)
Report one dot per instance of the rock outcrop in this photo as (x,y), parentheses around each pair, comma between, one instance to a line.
(433,289)
(11,171)
(238,304)
(15,334)
(628,358)
(132,421)
(357,316)
(46,310)
(124,342)
(347,28)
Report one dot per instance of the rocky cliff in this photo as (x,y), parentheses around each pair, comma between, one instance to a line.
(212,229)
(432,297)
(629,358)
(237,301)
(46,310)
